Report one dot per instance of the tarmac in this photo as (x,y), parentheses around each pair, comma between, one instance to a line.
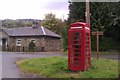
(11,70)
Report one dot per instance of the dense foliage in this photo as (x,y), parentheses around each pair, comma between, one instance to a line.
(32,46)
(105,44)
(65,38)
(9,23)
(52,23)
(105,16)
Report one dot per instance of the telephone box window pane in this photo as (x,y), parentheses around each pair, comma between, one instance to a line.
(87,38)
(76,63)
(76,59)
(87,42)
(87,46)
(76,42)
(76,54)
(76,46)
(86,60)
(76,50)
(87,50)
(87,34)
(77,34)
(76,38)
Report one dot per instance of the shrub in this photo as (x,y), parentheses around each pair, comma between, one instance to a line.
(31,46)
(105,44)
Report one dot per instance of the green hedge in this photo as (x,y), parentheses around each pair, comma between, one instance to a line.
(31,47)
(105,44)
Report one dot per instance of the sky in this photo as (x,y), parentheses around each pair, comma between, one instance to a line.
(33,9)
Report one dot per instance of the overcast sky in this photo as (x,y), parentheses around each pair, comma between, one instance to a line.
(32,9)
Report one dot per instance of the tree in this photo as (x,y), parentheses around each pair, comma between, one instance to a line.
(104,16)
(77,12)
(9,23)
(52,23)
(113,30)
(65,38)
(99,14)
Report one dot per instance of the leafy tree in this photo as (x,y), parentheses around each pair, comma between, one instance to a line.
(77,12)
(65,38)
(99,14)
(104,16)
(60,26)
(9,23)
(113,30)
(52,23)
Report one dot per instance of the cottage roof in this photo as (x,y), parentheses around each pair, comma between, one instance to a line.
(30,31)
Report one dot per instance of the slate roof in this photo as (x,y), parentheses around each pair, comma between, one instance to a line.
(30,31)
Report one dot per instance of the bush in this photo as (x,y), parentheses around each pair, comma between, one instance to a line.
(65,38)
(31,46)
(105,44)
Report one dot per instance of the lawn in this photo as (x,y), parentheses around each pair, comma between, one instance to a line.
(56,67)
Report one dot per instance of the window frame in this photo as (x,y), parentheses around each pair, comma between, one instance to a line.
(18,42)
(34,40)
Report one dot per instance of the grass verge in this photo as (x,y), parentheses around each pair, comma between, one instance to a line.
(56,67)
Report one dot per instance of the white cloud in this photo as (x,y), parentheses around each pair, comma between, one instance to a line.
(16,9)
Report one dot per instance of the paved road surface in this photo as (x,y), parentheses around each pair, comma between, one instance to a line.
(10,69)
(106,56)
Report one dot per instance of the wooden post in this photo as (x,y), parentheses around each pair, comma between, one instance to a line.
(97,45)
(97,34)
(87,12)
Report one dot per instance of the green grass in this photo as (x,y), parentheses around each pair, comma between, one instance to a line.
(56,67)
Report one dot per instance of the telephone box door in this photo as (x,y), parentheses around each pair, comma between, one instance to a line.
(74,59)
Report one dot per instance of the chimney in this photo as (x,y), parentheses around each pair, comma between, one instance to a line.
(35,24)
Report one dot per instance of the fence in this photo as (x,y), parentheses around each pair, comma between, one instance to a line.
(22,49)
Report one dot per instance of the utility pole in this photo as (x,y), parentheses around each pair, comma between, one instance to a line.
(97,34)
(87,12)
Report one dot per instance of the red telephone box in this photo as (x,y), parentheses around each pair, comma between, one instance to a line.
(79,48)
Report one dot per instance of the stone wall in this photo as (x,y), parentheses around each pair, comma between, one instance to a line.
(3,34)
(52,44)
(42,43)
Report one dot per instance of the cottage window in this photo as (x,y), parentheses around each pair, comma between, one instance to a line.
(18,42)
(32,40)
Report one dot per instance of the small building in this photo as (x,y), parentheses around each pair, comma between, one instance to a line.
(20,38)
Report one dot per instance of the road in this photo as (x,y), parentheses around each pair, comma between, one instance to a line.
(106,56)
(10,69)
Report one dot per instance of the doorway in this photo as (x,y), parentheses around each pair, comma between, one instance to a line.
(4,42)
